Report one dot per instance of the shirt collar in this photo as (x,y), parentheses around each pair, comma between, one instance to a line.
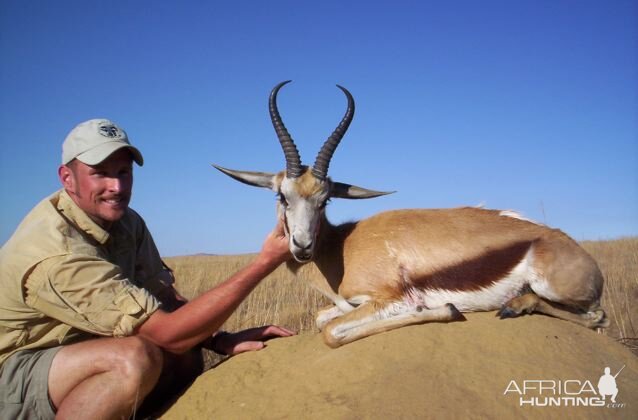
(71,211)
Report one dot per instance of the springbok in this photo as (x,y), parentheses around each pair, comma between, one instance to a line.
(412,266)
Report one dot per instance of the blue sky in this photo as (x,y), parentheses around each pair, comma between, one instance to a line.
(525,105)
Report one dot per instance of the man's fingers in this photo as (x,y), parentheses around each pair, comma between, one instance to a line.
(278,331)
(279,228)
(248,346)
(252,339)
(263,333)
(269,331)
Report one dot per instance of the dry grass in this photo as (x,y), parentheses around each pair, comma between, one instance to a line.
(618,261)
(286,299)
(282,298)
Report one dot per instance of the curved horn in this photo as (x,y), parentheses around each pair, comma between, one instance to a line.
(293,160)
(320,168)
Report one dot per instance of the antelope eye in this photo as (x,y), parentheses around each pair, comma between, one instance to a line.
(282,200)
(324,204)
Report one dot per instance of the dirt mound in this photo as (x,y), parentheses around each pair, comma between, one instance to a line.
(481,368)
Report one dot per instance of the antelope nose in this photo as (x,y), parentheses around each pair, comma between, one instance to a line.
(298,245)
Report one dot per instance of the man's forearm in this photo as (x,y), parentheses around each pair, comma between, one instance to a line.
(198,319)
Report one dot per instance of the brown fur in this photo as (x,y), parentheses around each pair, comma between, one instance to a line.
(451,249)
(386,257)
(308,185)
(443,247)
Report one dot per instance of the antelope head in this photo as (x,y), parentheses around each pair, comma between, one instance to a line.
(303,192)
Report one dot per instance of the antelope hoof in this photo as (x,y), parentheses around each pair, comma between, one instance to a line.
(524,304)
(455,314)
(507,312)
(598,319)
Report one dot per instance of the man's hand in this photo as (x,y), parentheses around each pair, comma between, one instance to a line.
(275,249)
(247,340)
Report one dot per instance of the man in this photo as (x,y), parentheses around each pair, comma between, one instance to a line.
(90,324)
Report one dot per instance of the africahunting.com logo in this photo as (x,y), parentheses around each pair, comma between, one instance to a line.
(567,393)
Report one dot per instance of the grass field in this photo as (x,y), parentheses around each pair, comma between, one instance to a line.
(286,299)
(618,261)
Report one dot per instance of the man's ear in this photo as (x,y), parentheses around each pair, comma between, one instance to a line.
(66,177)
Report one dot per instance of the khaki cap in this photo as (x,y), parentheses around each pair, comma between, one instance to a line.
(94,140)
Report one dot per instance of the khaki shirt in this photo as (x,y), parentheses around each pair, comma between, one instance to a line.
(64,279)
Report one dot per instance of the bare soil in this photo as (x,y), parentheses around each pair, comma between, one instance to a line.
(429,371)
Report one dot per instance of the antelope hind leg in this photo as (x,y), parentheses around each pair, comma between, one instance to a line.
(374,317)
(523,304)
(530,302)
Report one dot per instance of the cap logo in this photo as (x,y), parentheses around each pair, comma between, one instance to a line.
(110,131)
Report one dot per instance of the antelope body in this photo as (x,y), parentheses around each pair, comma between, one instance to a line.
(412,266)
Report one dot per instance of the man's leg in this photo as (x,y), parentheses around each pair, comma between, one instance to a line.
(24,389)
(178,373)
(103,378)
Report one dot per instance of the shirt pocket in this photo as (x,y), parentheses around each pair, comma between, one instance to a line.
(132,314)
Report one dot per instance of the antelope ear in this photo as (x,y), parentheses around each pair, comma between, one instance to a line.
(341,190)
(256,179)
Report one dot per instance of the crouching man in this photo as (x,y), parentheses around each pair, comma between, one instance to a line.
(90,323)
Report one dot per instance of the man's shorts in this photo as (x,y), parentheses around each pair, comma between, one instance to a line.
(24,390)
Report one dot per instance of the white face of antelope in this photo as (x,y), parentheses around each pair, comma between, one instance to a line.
(302,202)
(303,191)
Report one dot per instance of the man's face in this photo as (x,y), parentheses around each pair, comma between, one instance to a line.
(103,191)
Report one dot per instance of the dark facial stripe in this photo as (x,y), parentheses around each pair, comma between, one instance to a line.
(285,220)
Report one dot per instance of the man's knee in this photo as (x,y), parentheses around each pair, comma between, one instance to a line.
(138,356)
(139,363)
(130,366)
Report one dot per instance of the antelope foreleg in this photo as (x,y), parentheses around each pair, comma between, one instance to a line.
(374,317)
(326,315)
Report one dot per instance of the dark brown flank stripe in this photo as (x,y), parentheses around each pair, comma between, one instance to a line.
(478,273)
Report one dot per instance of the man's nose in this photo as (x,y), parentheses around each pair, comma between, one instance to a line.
(115,184)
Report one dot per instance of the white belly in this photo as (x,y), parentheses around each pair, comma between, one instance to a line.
(484,299)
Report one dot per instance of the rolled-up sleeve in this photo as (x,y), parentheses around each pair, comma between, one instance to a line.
(90,294)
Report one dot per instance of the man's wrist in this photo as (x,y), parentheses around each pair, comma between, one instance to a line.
(214,343)
(266,262)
